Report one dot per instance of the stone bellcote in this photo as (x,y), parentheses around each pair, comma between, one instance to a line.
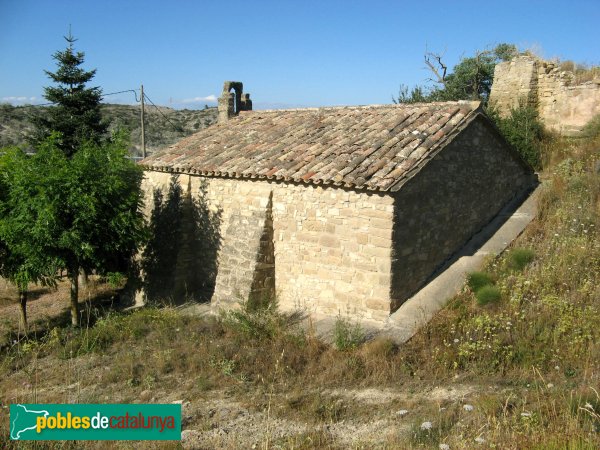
(231,103)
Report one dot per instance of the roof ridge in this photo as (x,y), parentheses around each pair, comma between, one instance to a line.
(473,103)
(374,147)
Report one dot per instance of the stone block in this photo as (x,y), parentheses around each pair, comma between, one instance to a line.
(380,241)
(362,238)
(378,304)
(377,251)
(381,223)
(329,240)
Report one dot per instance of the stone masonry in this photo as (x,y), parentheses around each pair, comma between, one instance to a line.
(562,105)
(231,103)
(340,210)
(332,248)
(448,202)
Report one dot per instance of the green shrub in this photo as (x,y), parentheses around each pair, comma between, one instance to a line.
(477,280)
(262,321)
(524,131)
(488,294)
(347,336)
(592,128)
(519,258)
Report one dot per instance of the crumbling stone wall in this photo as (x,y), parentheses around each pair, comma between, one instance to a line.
(562,105)
(452,198)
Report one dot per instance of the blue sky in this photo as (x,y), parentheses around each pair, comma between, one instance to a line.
(302,53)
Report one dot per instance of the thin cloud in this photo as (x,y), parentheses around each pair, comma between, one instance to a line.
(208,99)
(20,100)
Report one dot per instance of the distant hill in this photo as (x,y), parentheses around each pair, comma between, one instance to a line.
(164,126)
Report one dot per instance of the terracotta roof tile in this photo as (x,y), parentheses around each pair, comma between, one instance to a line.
(372,147)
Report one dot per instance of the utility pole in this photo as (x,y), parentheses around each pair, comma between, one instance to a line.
(143,131)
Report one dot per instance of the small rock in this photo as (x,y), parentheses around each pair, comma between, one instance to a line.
(145,395)
(468,407)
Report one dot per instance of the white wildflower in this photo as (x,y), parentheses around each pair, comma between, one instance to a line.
(444,447)
(426,426)
(468,407)
(479,440)
(550,385)
(402,412)
(525,414)
(589,406)
(456,341)
(557,367)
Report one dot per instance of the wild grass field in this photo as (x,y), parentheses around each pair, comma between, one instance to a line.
(512,362)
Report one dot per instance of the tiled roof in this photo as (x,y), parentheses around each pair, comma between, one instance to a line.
(366,147)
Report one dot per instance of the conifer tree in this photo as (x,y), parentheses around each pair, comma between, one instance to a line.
(76,114)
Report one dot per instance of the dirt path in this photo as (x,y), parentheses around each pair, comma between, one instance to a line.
(46,305)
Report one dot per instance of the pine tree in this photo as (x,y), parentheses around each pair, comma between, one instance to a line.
(76,114)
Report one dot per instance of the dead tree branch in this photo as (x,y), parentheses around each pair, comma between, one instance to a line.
(436,66)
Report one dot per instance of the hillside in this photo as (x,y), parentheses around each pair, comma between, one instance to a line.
(515,370)
(164,126)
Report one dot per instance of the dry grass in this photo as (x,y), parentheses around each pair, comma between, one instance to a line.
(528,365)
(583,72)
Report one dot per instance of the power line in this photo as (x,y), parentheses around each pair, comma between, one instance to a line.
(175,127)
(122,92)
(103,95)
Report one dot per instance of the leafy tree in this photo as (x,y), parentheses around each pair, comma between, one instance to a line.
(470,79)
(416,95)
(19,262)
(83,212)
(76,114)
(506,52)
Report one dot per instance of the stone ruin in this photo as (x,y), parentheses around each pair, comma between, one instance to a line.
(563,105)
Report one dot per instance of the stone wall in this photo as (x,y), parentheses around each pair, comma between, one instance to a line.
(331,251)
(449,200)
(563,105)
(514,82)
(331,247)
